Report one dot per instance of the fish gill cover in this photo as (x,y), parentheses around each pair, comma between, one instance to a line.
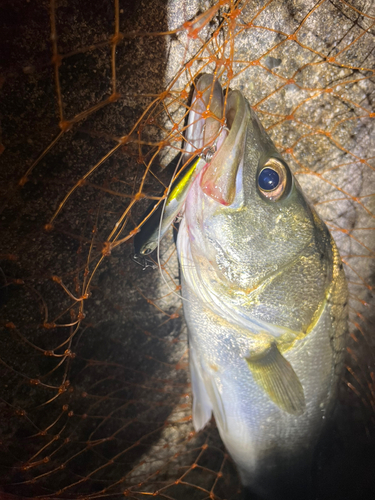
(95,395)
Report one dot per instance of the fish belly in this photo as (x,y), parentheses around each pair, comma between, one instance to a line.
(272,449)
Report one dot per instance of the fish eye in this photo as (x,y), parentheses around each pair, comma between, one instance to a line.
(272,179)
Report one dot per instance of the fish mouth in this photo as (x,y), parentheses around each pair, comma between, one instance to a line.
(219,179)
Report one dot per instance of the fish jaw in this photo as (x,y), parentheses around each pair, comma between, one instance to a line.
(219,179)
(203,128)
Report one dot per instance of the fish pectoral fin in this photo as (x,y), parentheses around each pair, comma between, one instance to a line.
(202,407)
(276,376)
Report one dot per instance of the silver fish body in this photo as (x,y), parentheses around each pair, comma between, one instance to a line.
(265,303)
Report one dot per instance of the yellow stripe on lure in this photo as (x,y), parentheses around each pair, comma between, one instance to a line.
(147,240)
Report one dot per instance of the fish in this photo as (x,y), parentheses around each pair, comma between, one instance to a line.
(202,139)
(265,302)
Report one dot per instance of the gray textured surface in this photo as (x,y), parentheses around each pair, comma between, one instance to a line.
(128,376)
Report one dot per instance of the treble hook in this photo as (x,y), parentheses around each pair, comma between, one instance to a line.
(208,152)
(143,261)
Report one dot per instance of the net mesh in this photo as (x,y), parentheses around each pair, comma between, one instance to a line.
(95,394)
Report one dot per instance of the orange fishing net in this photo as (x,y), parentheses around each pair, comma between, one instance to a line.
(95,395)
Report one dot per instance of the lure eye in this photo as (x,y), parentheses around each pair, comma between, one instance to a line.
(272,180)
(148,247)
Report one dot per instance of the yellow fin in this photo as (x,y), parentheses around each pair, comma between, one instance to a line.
(276,376)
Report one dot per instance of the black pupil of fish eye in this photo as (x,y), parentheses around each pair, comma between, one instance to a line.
(268,179)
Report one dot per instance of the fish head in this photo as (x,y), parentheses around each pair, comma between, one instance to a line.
(246,215)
